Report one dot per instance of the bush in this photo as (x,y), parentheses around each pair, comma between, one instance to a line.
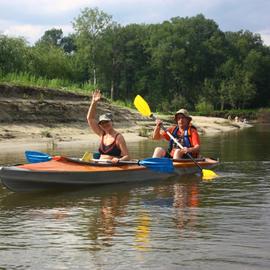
(264,115)
(204,107)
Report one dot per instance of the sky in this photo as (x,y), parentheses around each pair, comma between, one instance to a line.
(31,18)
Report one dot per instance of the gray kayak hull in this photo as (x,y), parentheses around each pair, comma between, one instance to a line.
(20,179)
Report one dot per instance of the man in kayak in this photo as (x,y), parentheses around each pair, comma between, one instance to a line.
(112,144)
(185,133)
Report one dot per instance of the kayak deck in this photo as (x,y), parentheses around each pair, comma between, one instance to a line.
(66,165)
(73,165)
(64,172)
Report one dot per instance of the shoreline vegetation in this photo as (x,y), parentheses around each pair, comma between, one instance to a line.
(180,62)
(35,117)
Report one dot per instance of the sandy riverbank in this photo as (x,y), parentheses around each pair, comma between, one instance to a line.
(33,136)
(213,125)
(33,118)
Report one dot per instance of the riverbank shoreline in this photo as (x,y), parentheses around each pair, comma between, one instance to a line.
(34,118)
(34,136)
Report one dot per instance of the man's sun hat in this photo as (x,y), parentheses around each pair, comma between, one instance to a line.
(105,117)
(184,112)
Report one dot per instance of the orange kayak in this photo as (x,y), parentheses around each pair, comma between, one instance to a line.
(65,172)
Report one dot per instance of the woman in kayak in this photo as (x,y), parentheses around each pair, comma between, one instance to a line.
(112,144)
(185,133)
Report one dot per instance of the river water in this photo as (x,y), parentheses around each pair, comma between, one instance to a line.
(177,223)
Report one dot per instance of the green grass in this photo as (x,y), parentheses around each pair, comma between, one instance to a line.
(26,79)
(123,103)
(29,80)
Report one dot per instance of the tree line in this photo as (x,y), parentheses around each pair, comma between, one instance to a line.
(183,62)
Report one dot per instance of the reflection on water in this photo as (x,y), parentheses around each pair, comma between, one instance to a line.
(185,199)
(142,236)
(177,223)
(103,227)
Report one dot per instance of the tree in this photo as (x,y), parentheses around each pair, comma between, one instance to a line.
(89,27)
(186,51)
(257,66)
(52,37)
(14,54)
(50,62)
(108,55)
(131,60)
(68,44)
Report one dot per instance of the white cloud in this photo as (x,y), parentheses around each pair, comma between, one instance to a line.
(30,18)
(44,6)
(30,32)
(137,9)
(265,35)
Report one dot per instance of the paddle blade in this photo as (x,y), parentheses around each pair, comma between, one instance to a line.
(163,165)
(87,156)
(142,106)
(36,157)
(208,174)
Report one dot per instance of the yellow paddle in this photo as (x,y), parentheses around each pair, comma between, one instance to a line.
(143,107)
(87,156)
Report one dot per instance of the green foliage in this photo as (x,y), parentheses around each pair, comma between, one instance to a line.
(123,103)
(50,62)
(54,38)
(177,102)
(26,79)
(89,27)
(204,106)
(14,54)
(51,37)
(264,115)
(180,63)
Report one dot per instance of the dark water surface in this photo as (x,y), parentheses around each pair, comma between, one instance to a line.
(178,223)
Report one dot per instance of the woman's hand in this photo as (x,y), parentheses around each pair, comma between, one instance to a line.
(115,160)
(184,150)
(156,133)
(158,122)
(96,96)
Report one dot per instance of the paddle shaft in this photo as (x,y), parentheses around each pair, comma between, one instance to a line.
(178,143)
(108,161)
(164,165)
(119,162)
(131,162)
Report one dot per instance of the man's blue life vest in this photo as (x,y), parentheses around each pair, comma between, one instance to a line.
(184,141)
